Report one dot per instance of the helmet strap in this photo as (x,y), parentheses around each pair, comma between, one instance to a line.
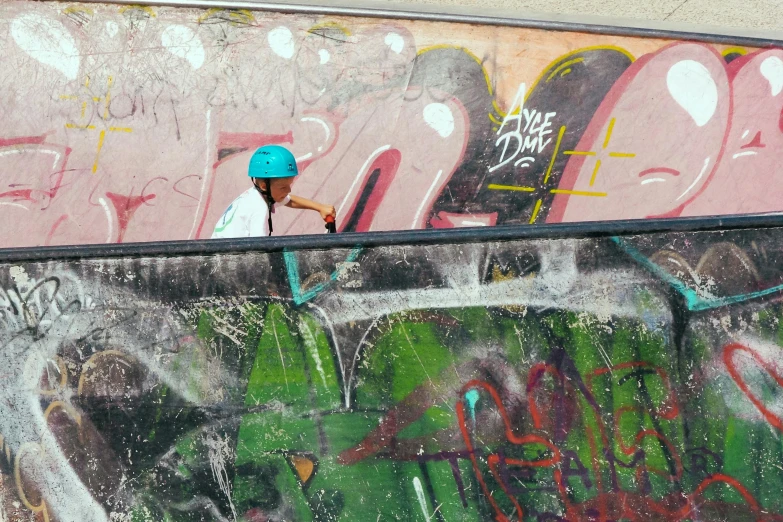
(270,202)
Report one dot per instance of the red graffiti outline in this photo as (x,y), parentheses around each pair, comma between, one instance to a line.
(728,360)
(511,437)
(603,498)
(56,176)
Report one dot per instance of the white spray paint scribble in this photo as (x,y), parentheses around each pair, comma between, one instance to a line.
(220,453)
(312,348)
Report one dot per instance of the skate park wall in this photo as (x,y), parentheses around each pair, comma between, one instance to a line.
(130,123)
(559,372)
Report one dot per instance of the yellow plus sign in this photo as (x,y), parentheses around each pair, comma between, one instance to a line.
(548,173)
(97,99)
(607,139)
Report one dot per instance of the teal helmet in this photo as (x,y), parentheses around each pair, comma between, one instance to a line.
(272,161)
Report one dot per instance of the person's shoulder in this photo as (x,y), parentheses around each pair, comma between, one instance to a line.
(247,198)
(249,193)
(251,203)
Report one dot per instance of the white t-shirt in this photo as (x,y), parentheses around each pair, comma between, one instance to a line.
(246,216)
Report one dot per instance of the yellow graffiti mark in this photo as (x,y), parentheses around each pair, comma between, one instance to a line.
(63,381)
(98,152)
(107,103)
(498,275)
(92,363)
(108,98)
(243,16)
(329,25)
(70,410)
(607,139)
(554,154)
(557,68)
(210,12)
(595,172)
(144,8)
(39,449)
(576,60)
(77,9)
(535,211)
(487,80)
(538,80)
(609,132)
(564,65)
(469,53)
(578,193)
(734,50)
(564,68)
(304,467)
(493,186)
(553,158)
(40,508)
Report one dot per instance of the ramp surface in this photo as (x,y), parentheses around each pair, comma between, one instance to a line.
(527,373)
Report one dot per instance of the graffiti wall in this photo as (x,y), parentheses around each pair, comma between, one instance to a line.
(127,123)
(616,378)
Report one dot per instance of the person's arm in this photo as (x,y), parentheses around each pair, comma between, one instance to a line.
(306,204)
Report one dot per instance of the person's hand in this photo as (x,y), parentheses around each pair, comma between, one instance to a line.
(326,211)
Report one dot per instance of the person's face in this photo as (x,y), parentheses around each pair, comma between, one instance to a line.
(280,187)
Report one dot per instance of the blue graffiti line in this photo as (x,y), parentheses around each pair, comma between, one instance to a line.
(292,267)
(693,301)
(472,396)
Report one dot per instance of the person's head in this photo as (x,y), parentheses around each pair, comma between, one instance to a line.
(273,168)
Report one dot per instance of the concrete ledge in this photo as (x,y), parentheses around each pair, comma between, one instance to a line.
(495,16)
(409,237)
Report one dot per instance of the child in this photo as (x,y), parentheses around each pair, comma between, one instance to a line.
(272,170)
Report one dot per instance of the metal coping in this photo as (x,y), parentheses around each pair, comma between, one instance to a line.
(435,16)
(590,229)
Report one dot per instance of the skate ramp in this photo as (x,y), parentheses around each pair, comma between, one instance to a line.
(582,372)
